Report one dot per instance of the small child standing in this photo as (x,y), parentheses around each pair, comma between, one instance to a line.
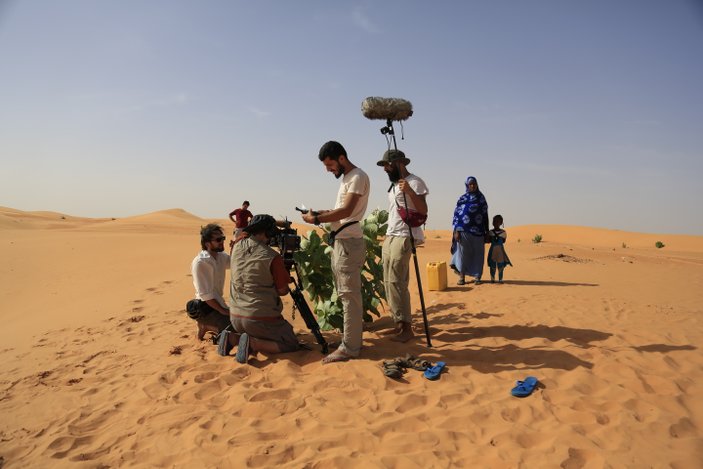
(497,257)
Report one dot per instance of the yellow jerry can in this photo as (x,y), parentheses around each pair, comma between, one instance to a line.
(437,276)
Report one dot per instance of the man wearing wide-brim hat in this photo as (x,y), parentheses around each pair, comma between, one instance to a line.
(406,212)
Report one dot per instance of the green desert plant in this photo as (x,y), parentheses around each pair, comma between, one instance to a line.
(659,245)
(315,269)
(537,239)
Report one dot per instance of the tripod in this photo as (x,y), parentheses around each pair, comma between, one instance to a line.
(302,306)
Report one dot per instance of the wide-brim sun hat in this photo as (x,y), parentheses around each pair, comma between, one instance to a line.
(393,155)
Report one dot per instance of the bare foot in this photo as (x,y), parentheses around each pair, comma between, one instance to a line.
(204,328)
(406,333)
(403,336)
(336,356)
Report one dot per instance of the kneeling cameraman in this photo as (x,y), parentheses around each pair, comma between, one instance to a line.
(258,279)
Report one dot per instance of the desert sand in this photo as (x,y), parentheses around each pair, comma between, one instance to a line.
(100,366)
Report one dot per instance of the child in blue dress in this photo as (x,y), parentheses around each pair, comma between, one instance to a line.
(497,257)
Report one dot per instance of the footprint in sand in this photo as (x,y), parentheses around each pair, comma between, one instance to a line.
(410,402)
(278,394)
(579,457)
(208,390)
(64,445)
(684,428)
(533,440)
(204,377)
(510,415)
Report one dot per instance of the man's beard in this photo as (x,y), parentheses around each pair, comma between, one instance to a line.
(219,248)
(339,173)
(394,174)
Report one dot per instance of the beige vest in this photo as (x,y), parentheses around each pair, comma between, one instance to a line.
(252,289)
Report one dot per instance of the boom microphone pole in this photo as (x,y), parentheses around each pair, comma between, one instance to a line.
(398,109)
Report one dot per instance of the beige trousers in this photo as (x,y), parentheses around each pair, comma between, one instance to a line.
(396,275)
(348,256)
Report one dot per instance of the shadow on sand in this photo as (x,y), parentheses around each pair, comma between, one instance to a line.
(539,283)
(663,348)
(580,337)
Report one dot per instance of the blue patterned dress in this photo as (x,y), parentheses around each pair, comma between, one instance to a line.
(471,221)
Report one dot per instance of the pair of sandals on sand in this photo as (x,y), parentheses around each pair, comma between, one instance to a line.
(397,367)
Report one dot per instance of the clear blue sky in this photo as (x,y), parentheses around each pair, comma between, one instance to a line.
(568,112)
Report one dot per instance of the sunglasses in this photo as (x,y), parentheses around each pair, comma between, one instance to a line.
(220,239)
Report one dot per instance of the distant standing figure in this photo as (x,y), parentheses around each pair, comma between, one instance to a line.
(497,257)
(241,218)
(470,227)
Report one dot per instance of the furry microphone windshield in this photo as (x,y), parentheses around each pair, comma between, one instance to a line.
(394,109)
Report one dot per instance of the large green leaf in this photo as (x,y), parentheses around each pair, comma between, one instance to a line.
(316,271)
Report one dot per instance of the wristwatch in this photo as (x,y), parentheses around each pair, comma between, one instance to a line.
(316,220)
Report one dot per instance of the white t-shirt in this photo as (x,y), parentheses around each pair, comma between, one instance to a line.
(209,276)
(396,225)
(357,182)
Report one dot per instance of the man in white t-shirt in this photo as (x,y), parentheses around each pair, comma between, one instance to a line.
(408,193)
(208,270)
(349,250)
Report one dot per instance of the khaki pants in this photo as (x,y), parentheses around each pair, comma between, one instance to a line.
(396,275)
(348,256)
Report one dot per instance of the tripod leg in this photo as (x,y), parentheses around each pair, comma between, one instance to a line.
(309,318)
(422,298)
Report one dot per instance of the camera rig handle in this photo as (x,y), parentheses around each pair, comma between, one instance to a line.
(305,210)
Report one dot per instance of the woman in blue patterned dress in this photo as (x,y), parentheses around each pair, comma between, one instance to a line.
(470,227)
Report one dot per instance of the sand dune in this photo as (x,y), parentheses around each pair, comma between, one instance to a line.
(11,218)
(101,368)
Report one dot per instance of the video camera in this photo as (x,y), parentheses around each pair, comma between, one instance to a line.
(287,241)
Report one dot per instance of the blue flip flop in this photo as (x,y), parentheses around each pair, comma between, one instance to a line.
(433,372)
(524,388)
(223,346)
(243,348)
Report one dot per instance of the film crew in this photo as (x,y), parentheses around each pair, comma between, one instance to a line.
(407,211)
(259,278)
(346,238)
(208,270)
